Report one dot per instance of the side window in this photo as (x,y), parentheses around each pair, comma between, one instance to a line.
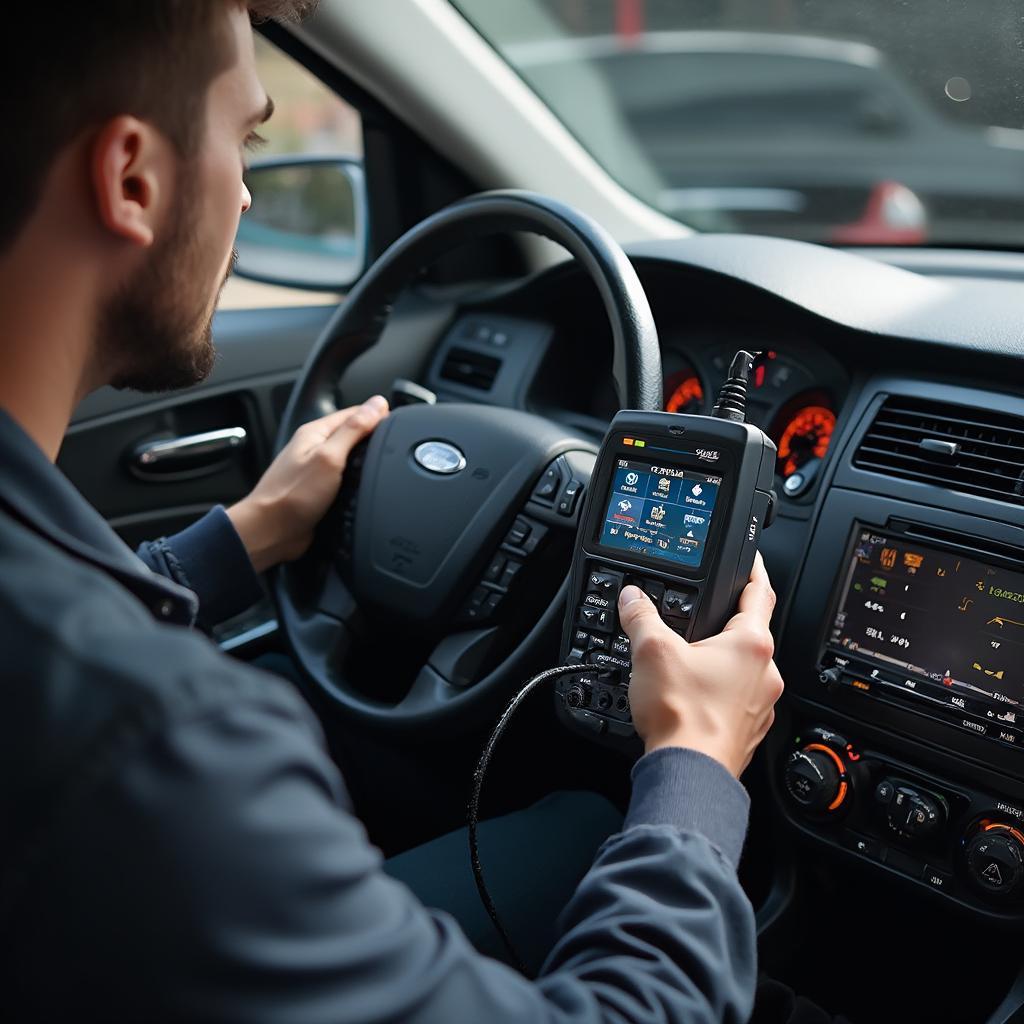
(309,120)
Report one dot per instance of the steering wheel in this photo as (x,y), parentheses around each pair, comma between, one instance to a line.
(443,562)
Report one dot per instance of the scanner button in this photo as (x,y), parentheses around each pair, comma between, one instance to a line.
(652,588)
(595,618)
(603,582)
(677,604)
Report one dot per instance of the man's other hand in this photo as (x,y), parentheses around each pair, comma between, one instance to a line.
(716,695)
(276,520)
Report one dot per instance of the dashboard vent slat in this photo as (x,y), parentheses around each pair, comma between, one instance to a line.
(471,369)
(985,455)
(882,445)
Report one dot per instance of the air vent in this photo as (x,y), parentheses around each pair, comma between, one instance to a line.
(473,369)
(957,447)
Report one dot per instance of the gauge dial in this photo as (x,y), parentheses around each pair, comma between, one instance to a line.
(805,435)
(683,392)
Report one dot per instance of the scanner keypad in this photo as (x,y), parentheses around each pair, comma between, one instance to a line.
(598,697)
(599,640)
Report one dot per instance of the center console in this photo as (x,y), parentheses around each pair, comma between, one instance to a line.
(903,654)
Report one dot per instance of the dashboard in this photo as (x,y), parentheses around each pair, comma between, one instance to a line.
(898,550)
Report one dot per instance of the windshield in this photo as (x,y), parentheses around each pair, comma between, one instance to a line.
(853,122)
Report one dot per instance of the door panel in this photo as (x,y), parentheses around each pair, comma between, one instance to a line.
(259,355)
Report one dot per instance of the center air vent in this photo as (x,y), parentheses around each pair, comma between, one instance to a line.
(473,369)
(956,447)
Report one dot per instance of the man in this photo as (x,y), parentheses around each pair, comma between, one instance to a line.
(176,842)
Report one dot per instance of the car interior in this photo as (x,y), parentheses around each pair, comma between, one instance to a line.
(885,854)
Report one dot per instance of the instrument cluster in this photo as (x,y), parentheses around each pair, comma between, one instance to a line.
(794,397)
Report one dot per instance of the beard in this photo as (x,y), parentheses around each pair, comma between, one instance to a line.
(156,333)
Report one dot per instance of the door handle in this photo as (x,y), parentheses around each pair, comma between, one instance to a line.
(194,452)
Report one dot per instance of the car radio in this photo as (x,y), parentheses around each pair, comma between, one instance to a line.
(676,506)
(931,629)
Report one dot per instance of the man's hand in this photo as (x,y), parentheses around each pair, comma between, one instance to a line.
(717,695)
(276,520)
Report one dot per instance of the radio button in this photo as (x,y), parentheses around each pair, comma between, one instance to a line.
(973,725)
(1004,735)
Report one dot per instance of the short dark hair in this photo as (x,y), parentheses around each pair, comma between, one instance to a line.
(66,66)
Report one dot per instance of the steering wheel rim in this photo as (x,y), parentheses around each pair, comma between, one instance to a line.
(315,628)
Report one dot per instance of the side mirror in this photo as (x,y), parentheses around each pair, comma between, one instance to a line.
(307,224)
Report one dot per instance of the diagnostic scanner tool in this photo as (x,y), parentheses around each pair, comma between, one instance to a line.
(676,506)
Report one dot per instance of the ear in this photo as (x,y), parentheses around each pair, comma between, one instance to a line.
(130,164)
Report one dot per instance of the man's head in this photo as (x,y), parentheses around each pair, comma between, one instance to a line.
(133,117)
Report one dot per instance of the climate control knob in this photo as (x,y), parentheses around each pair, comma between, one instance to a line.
(815,778)
(995,859)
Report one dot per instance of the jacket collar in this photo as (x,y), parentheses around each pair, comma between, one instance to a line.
(36,493)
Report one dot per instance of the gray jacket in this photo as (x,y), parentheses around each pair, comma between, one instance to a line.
(177,843)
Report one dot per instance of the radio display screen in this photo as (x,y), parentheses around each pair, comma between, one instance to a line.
(936,621)
(663,512)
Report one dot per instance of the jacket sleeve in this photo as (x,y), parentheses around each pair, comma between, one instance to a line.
(218,874)
(209,559)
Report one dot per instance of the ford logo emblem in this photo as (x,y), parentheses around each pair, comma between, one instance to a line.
(439,457)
